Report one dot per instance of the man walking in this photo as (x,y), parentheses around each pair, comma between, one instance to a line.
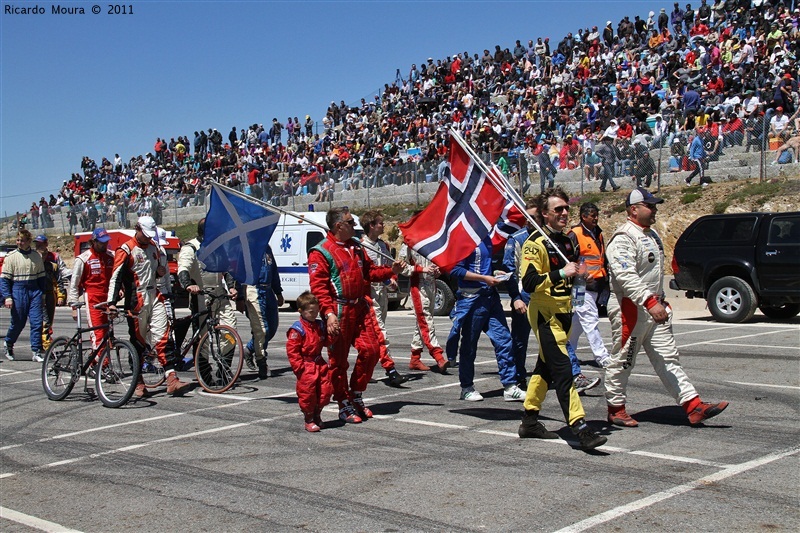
(641,317)
(22,284)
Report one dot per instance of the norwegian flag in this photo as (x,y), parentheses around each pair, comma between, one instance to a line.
(462,213)
(511,221)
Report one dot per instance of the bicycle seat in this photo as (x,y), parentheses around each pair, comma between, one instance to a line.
(77,305)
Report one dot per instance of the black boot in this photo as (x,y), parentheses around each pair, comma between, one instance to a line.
(395,378)
(531,428)
(263,369)
(588,438)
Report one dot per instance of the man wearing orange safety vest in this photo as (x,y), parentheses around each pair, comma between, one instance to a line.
(592,250)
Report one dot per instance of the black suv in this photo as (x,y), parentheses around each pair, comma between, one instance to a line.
(740,262)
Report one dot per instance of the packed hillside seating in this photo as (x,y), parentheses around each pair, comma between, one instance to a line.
(722,68)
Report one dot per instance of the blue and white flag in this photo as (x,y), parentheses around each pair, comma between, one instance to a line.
(236,235)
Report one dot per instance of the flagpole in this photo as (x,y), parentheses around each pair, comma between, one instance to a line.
(501,183)
(296,215)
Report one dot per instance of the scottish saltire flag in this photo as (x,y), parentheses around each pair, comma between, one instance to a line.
(237,234)
(463,211)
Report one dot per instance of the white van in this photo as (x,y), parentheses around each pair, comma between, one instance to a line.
(293,238)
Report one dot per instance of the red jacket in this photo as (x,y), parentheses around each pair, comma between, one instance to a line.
(304,343)
(341,271)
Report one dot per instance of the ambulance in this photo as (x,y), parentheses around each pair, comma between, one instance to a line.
(294,237)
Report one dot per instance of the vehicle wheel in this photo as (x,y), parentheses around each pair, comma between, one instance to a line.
(731,299)
(780,312)
(60,369)
(218,359)
(119,372)
(443,299)
(152,371)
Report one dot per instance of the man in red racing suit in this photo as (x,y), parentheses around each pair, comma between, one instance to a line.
(340,273)
(91,275)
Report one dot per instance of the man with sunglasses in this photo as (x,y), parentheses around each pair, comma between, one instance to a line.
(641,317)
(548,278)
(340,273)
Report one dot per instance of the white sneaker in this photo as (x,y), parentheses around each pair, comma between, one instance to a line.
(37,357)
(470,394)
(513,393)
(8,351)
(603,362)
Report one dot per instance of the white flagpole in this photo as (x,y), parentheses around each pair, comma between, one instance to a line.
(298,216)
(501,183)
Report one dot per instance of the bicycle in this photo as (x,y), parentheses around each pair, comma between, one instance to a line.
(217,347)
(114,365)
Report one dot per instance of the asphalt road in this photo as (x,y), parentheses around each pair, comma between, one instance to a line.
(241,461)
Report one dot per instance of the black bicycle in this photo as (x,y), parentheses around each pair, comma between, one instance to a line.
(114,365)
(217,350)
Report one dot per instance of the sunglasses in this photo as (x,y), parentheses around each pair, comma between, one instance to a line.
(561,208)
(351,222)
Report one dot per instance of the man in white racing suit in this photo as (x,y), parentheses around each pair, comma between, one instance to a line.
(641,317)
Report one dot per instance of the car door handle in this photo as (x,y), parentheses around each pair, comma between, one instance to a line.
(771,253)
(295,264)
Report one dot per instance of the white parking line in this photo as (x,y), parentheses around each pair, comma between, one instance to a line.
(715,341)
(759,346)
(791,387)
(637,505)
(33,522)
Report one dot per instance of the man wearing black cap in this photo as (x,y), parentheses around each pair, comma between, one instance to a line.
(641,317)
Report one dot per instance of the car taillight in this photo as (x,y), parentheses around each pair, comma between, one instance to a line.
(675,268)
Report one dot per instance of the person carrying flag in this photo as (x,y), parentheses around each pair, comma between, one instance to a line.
(340,273)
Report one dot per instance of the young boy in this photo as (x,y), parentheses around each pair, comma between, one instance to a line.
(306,338)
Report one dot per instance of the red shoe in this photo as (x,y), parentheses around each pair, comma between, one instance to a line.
(318,418)
(363,410)
(141,390)
(619,417)
(417,364)
(176,387)
(704,411)
(312,427)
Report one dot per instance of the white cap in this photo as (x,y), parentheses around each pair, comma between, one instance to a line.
(148,227)
(162,236)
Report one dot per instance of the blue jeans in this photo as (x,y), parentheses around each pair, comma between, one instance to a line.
(477,314)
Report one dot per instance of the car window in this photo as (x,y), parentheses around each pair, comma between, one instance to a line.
(784,230)
(726,230)
(312,239)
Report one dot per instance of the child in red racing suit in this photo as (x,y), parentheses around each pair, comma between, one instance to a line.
(305,340)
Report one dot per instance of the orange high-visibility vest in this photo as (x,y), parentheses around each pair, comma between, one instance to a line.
(592,251)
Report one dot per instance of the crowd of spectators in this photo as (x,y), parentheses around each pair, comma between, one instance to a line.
(722,70)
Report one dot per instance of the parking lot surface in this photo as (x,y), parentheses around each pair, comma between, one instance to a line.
(427,462)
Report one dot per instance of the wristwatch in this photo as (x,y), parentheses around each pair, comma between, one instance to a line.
(326,315)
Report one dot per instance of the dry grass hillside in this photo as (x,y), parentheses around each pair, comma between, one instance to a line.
(681,206)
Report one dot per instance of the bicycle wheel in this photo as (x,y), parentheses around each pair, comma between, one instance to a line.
(218,359)
(152,371)
(60,369)
(119,372)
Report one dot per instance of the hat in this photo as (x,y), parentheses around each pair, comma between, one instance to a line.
(641,195)
(162,236)
(787,76)
(675,141)
(608,23)
(148,226)
(40,238)
(100,235)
